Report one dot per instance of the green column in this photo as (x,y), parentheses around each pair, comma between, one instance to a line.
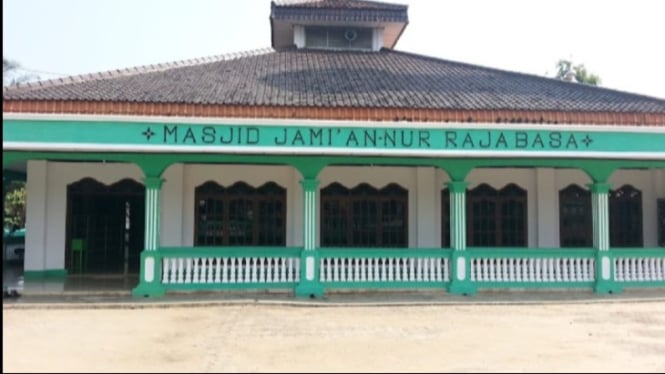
(601,239)
(310,285)
(150,283)
(460,282)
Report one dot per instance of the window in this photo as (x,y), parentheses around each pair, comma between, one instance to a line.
(626,217)
(575,217)
(497,218)
(338,38)
(364,216)
(240,215)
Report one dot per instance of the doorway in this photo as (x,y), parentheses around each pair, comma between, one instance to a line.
(105,227)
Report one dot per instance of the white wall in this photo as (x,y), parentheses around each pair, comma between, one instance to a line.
(35,240)
(45,243)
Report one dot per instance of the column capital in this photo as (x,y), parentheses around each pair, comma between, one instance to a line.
(310,184)
(457,186)
(599,187)
(153,182)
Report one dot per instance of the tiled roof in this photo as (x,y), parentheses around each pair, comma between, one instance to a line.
(386,79)
(339,10)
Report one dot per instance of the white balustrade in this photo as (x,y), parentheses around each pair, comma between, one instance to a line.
(384,270)
(633,269)
(218,270)
(522,270)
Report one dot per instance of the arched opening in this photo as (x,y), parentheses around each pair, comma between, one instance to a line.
(105,226)
(240,215)
(364,216)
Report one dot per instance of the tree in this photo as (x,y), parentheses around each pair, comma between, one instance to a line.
(567,71)
(15,197)
(11,73)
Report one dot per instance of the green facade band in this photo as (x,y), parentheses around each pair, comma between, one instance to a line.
(24,134)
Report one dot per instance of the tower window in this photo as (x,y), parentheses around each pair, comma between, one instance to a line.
(358,38)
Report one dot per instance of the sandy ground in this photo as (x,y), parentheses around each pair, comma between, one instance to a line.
(597,337)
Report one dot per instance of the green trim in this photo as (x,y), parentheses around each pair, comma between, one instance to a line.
(501,252)
(461,286)
(153,288)
(310,288)
(227,252)
(412,138)
(456,168)
(385,285)
(533,285)
(599,187)
(45,274)
(227,286)
(656,252)
(330,252)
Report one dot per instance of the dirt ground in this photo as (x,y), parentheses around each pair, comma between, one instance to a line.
(597,337)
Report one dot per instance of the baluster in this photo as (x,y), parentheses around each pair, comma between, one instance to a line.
(280,269)
(637,269)
(383,271)
(370,269)
(557,269)
(206,276)
(174,270)
(296,266)
(391,264)
(188,270)
(287,264)
(166,266)
(234,270)
(362,269)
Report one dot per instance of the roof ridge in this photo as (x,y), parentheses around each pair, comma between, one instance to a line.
(140,69)
(523,74)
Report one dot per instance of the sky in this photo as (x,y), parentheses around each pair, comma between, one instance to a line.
(622,41)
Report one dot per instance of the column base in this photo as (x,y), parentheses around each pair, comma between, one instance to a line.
(309,290)
(148,290)
(607,287)
(464,288)
(605,283)
(460,271)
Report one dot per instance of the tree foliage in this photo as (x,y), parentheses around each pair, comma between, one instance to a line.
(567,71)
(15,198)
(12,74)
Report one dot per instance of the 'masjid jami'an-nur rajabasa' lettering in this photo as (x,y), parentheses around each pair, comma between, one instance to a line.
(371,138)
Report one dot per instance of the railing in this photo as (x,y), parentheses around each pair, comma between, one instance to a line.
(219,268)
(534,267)
(279,267)
(384,268)
(639,266)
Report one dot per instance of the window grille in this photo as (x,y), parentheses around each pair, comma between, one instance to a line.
(575,228)
(364,216)
(626,217)
(240,215)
